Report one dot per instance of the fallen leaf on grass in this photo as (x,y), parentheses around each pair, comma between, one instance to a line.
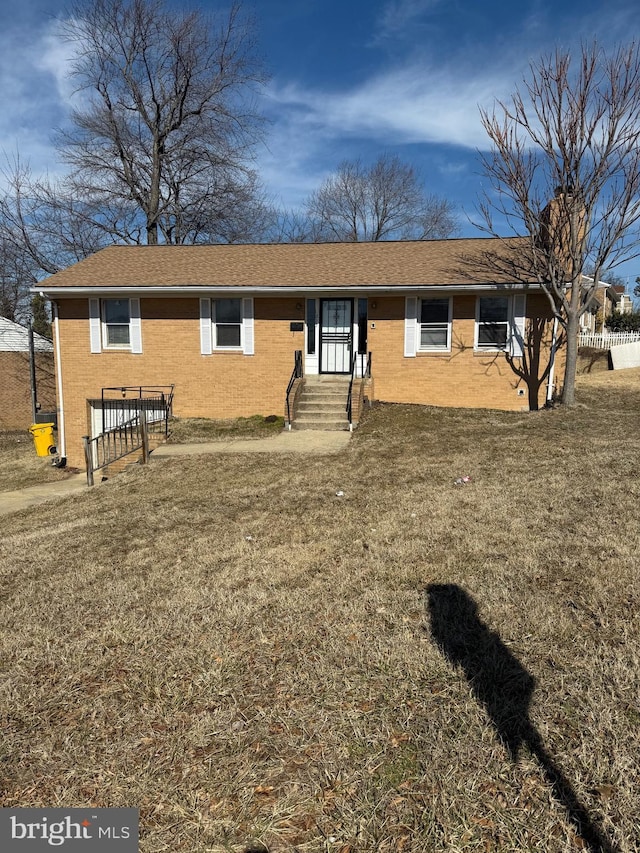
(605,792)
(484,822)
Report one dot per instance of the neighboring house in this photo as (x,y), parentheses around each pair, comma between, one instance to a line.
(222,324)
(625,305)
(16,411)
(614,298)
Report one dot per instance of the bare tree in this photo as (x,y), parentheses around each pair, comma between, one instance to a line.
(161,149)
(287,226)
(565,174)
(214,207)
(167,126)
(48,228)
(16,277)
(385,201)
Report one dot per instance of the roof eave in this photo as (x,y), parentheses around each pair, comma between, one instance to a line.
(277,290)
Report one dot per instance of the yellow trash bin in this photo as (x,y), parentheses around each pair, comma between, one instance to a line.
(43,439)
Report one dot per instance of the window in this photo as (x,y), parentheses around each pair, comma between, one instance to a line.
(114,324)
(116,319)
(435,324)
(493,322)
(311,326)
(227,322)
(362,325)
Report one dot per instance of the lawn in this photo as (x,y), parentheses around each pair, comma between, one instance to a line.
(199,430)
(347,653)
(21,467)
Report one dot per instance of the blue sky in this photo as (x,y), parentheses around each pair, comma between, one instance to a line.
(348,78)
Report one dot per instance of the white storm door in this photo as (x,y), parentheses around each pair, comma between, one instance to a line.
(336,335)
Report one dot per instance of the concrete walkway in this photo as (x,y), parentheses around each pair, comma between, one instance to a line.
(24,498)
(296,441)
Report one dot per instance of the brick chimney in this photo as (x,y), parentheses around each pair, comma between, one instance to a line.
(555,228)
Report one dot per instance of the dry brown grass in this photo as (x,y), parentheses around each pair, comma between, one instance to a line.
(20,466)
(197,430)
(247,656)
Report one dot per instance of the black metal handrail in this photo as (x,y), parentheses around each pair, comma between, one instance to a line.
(365,373)
(296,374)
(114,444)
(135,398)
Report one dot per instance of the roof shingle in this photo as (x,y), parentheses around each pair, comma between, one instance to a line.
(429,263)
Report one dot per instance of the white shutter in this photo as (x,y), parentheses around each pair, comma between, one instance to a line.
(516,344)
(247,319)
(205,327)
(410,328)
(135,325)
(95,325)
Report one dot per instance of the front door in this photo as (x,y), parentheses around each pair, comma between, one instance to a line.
(336,335)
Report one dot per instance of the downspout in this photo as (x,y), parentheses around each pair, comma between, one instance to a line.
(32,373)
(62,450)
(552,361)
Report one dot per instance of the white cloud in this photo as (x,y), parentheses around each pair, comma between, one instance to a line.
(453,169)
(291,164)
(54,59)
(398,15)
(416,104)
(34,101)
(314,129)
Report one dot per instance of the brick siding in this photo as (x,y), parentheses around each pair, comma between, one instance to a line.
(15,388)
(231,384)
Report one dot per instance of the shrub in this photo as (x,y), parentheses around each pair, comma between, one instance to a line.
(624,322)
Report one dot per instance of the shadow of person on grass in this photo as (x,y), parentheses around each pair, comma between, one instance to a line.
(505,688)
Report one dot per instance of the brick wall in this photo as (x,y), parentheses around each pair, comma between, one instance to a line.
(15,388)
(230,384)
(224,384)
(463,377)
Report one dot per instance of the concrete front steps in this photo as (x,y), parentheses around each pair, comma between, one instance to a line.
(322,403)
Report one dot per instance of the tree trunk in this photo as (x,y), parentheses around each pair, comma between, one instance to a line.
(571,366)
(153,203)
(152,233)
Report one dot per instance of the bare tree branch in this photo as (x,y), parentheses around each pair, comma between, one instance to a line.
(168,100)
(564,174)
(161,149)
(385,201)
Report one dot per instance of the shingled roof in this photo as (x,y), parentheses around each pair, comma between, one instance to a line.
(301,265)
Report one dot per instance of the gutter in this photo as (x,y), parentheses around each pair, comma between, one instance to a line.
(277,290)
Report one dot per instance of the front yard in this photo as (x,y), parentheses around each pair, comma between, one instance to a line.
(349,653)
(20,466)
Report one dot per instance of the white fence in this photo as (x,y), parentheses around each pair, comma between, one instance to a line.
(607,340)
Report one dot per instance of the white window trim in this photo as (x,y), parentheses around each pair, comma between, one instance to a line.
(312,360)
(518,319)
(208,327)
(95,325)
(214,346)
(447,347)
(476,345)
(98,328)
(410,326)
(515,323)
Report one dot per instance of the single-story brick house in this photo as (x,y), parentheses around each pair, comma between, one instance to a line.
(439,321)
(16,404)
